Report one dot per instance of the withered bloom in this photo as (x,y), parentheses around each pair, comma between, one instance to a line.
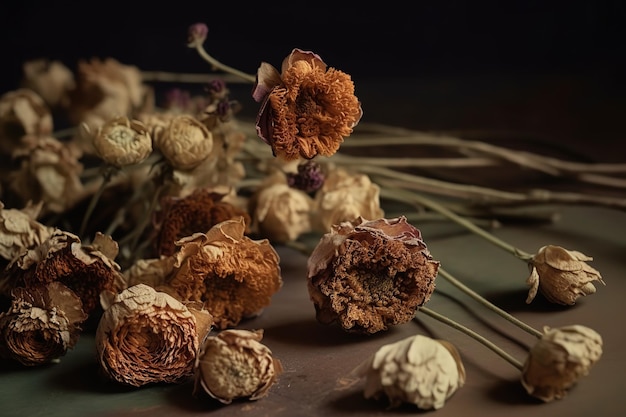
(235,365)
(197,212)
(309,177)
(20,230)
(146,336)
(416,370)
(121,141)
(306,109)
(561,275)
(52,80)
(368,275)
(185,142)
(559,359)
(41,325)
(85,269)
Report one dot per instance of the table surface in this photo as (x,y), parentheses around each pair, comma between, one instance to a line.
(316,357)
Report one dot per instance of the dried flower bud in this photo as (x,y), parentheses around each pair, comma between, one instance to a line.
(52,80)
(416,370)
(561,275)
(146,336)
(559,359)
(122,142)
(309,177)
(41,325)
(20,230)
(196,34)
(235,365)
(22,112)
(185,142)
(368,275)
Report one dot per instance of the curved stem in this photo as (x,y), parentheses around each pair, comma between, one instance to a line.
(488,304)
(458,326)
(218,65)
(106,178)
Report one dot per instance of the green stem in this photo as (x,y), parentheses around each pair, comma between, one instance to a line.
(106,178)
(477,297)
(458,326)
(218,65)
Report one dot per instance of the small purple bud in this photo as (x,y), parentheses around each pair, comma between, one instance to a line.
(197,33)
(309,177)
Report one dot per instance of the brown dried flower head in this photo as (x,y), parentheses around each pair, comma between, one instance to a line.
(185,142)
(306,109)
(41,325)
(146,336)
(368,275)
(559,359)
(416,370)
(121,141)
(22,112)
(561,275)
(20,230)
(52,80)
(235,365)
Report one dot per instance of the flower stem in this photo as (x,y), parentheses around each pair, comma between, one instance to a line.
(218,65)
(458,326)
(106,178)
(480,299)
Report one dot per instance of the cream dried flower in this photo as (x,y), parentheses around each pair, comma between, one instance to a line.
(416,370)
(20,230)
(561,275)
(145,336)
(52,80)
(185,142)
(235,365)
(22,112)
(559,359)
(121,141)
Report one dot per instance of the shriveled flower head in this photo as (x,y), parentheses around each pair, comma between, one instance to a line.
(559,359)
(20,230)
(309,177)
(22,112)
(561,275)
(306,109)
(85,269)
(416,370)
(121,141)
(146,336)
(52,80)
(280,213)
(370,274)
(41,325)
(235,365)
(185,142)
(344,197)
(197,212)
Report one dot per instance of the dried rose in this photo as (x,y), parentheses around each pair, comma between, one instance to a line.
(41,325)
(561,275)
(22,112)
(235,365)
(416,370)
(185,142)
(306,109)
(52,80)
(146,336)
(20,230)
(344,197)
(121,141)
(559,359)
(368,275)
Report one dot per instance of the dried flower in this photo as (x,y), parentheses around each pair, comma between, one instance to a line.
(41,325)
(196,34)
(20,230)
(235,365)
(416,370)
(146,336)
(561,275)
(344,197)
(306,109)
(559,359)
(309,177)
(368,275)
(22,112)
(52,80)
(280,213)
(121,141)
(185,142)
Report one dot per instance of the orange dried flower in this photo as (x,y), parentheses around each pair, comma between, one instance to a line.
(368,275)
(307,109)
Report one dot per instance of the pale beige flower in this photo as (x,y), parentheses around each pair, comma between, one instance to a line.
(559,359)
(416,370)
(561,275)
(22,112)
(185,142)
(121,141)
(152,271)
(235,365)
(145,336)
(20,230)
(370,274)
(52,80)
(344,197)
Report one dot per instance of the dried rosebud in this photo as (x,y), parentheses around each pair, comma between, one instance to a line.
(22,112)
(235,365)
(309,177)
(368,275)
(20,230)
(344,197)
(416,370)
(559,359)
(41,325)
(306,109)
(280,213)
(185,142)
(561,275)
(146,336)
(121,141)
(196,34)
(52,80)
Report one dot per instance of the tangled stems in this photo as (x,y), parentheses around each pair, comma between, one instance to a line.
(107,174)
